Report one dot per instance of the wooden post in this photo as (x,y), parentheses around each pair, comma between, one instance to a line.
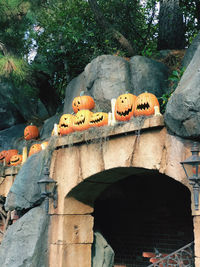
(113,101)
(24,154)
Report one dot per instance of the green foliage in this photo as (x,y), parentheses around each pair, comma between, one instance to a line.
(174,79)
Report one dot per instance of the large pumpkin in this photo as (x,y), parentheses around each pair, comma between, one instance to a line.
(83,102)
(124,107)
(66,124)
(34,149)
(2,155)
(9,154)
(82,120)
(99,119)
(31,132)
(16,160)
(145,103)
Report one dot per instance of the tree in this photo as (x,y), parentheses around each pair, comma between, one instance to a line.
(171,33)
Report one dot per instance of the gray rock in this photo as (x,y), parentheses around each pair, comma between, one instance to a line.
(107,77)
(148,75)
(12,138)
(73,89)
(47,128)
(191,51)
(25,192)
(25,241)
(182,114)
(102,253)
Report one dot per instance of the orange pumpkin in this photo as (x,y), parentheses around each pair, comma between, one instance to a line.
(16,160)
(83,102)
(9,154)
(99,119)
(2,155)
(31,132)
(82,120)
(34,149)
(145,103)
(66,124)
(124,107)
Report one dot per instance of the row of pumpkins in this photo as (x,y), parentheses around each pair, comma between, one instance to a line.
(126,106)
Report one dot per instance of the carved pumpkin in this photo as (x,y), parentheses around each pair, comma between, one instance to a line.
(83,102)
(16,160)
(2,155)
(66,124)
(145,103)
(124,107)
(99,119)
(34,149)
(31,132)
(9,154)
(82,120)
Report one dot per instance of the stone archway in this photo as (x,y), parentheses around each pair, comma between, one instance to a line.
(83,171)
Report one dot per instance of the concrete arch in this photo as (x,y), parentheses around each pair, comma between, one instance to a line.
(85,169)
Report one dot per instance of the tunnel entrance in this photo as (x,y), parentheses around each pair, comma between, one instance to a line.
(144,213)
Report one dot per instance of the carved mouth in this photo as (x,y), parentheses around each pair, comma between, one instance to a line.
(79,122)
(64,125)
(14,161)
(143,106)
(96,120)
(125,113)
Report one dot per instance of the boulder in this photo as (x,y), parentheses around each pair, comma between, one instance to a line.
(25,192)
(102,253)
(47,128)
(182,114)
(25,241)
(12,137)
(191,51)
(107,77)
(148,75)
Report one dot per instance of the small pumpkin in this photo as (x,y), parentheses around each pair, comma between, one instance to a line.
(31,132)
(16,160)
(99,119)
(145,103)
(66,124)
(9,154)
(82,120)
(2,155)
(35,148)
(83,102)
(124,107)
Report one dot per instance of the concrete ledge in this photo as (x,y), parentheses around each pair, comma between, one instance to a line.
(136,124)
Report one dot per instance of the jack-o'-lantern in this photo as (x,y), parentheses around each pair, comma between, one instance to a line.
(124,107)
(83,102)
(34,149)
(16,160)
(9,154)
(31,132)
(2,155)
(66,124)
(145,103)
(99,119)
(82,120)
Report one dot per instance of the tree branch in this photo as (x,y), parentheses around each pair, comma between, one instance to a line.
(102,21)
